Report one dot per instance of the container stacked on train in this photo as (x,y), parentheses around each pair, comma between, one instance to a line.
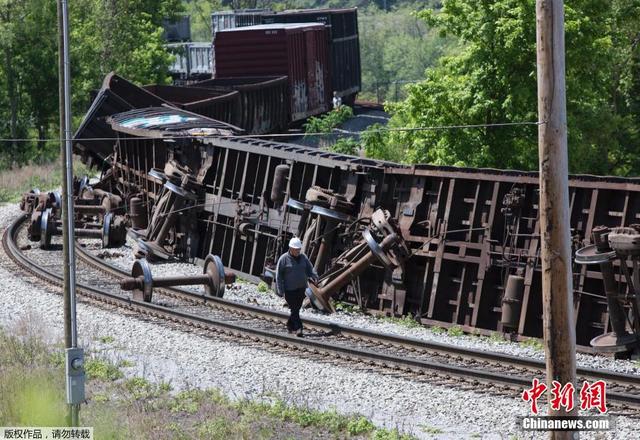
(298,51)
(343,44)
(286,66)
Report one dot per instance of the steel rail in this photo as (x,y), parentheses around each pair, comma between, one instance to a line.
(366,356)
(384,339)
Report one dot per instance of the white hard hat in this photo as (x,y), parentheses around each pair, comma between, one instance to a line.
(295,243)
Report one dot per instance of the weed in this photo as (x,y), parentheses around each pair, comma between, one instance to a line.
(14,182)
(455,331)
(496,337)
(390,434)
(187,401)
(125,364)
(359,425)
(56,359)
(138,387)
(430,429)
(102,369)
(329,121)
(100,397)
(532,343)
(106,339)
(345,146)
(262,287)
(24,350)
(164,387)
(437,330)
(221,429)
(217,397)
(405,321)
(178,432)
(347,308)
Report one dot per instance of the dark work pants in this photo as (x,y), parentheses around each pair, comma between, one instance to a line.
(294,298)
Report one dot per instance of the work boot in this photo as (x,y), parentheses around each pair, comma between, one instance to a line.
(299,333)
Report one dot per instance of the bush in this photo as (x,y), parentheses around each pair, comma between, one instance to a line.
(346,146)
(329,121)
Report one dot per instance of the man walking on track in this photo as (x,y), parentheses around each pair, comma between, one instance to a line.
(292,273)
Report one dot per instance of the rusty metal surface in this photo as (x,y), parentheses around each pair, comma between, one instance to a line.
(297,50)
(263,102)
(467,231)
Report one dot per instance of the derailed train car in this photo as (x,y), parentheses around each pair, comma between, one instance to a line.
(450,246)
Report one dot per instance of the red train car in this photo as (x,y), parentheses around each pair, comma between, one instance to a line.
(298,50)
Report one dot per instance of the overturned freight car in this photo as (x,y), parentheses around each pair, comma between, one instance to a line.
(450,246)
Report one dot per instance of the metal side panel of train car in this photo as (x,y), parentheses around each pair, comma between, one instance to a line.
(264,101)
(192,61)
(299,51)
(221,20)
(94,138)
(344,45)
(472,235)
(223,105)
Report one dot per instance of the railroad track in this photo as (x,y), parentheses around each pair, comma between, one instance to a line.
(364,347)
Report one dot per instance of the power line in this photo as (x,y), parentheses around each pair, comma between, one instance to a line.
(272,135)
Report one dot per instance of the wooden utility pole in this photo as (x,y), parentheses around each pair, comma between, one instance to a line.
(557,286)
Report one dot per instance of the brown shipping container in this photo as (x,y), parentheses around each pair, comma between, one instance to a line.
(344,49)
(298,50)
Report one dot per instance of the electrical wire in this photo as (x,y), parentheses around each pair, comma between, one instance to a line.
(273,135)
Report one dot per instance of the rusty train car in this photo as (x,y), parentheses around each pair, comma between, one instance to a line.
(446,245)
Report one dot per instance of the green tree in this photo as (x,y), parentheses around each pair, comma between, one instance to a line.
(121,36)
(106,35)
(396,46)
(493,80)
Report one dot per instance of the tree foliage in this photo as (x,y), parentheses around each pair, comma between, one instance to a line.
(396,47)
(106,35)
(493,80)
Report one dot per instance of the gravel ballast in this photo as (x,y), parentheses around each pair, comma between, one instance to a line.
(188,360)
(246,292)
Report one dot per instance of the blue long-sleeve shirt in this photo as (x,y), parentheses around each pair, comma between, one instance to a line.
(292,272)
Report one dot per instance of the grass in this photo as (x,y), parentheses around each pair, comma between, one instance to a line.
(405,321)
(32,374)
(437,330)
(430,430)
(106,339)
(532,343)
(45,177)
(455,331)
(496,337)
(102,369)
(347,308)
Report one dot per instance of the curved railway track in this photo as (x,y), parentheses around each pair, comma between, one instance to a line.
(366,347)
